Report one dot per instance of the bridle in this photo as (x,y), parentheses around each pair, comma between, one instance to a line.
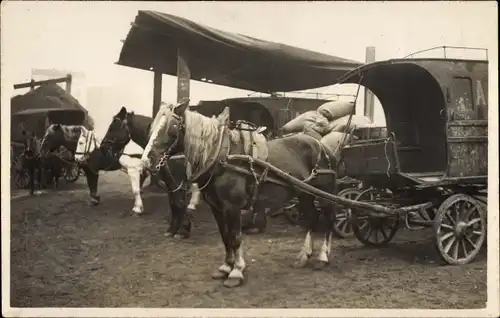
(118,144)
(89,140)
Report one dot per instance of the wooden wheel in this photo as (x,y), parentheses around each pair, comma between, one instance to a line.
(373,231)
(342,224)
(460,228)
(72,173)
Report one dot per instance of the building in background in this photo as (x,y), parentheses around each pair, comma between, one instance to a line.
(78,84)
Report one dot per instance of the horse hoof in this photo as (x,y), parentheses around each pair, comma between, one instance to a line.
(38,192)
(217,274)
(300,263)
(137,210)
(233,282)
(320,265)
(177,236)
(169,234)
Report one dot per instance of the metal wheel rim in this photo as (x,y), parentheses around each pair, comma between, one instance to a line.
(460,211)
(368,229)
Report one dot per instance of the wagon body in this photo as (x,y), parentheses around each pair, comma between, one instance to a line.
(437,122)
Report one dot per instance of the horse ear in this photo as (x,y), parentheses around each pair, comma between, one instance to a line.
(122,112)
(224,116)
(181,107)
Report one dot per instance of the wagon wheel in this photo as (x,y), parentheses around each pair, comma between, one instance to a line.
(72,173)
(21,176)
(460,228)
(370,230)
(342,225)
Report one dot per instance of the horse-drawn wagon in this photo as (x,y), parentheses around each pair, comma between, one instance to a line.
(436,153)
(36,121)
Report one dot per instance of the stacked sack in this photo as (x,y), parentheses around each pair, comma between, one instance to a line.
(328,123)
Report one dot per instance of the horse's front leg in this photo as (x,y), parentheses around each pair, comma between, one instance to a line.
(31,182)
(233,217)
(195,198)
(306,206)
(38,173)
(92,180)
(323,256)
(215,205)
(134,174)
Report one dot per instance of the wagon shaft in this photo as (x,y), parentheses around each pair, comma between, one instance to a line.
(303,186)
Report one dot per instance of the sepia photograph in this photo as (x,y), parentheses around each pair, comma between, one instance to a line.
(249,159)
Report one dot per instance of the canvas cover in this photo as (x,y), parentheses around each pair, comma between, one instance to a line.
(226,58)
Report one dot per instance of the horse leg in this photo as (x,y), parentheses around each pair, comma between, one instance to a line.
(38,173)
(233,217)
(184,215)
(323,256)
(306,206)
(31,182)
(195,197)
(135,181)
(215,205)
(92,180)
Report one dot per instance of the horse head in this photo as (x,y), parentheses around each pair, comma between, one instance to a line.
(166,136)
(31,144)
(118,134)
(53,139)
(87,143)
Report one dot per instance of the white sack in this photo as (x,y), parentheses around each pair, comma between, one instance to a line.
(311,118)
(340,124)
(336,109)
(333,139)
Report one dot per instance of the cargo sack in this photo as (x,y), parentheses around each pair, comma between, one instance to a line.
(311,118)
(336,109)
(357,121)
(333,139)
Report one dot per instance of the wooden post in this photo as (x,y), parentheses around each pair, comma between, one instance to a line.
(369,110)
(183,77)
(69,80)
(157,92)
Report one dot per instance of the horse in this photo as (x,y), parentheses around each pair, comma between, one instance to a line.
(228,188)
(83,144)
(32,161)
(126,126)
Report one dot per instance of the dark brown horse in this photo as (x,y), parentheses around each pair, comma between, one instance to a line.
(230,185)
(127,126)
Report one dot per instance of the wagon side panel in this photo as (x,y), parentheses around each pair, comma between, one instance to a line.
(468,124)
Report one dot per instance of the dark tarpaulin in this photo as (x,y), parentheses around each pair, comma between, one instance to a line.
(225,58)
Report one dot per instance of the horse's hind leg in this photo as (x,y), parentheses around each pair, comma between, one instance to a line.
(38,173)
(306,206)
(135,182)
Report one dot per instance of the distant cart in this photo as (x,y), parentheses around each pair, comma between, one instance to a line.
(37,121)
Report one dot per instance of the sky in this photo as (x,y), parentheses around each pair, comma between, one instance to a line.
(85,37)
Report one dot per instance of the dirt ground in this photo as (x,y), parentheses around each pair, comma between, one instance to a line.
(66,253)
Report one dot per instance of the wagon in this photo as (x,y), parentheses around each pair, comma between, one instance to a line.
(435,153)
(37,120)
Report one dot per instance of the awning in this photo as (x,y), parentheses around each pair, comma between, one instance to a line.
(225,58)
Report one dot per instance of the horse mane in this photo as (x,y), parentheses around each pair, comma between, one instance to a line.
(164,109)
(201,139)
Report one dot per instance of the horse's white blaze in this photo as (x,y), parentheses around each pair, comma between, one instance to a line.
(155,129)
(325,248)
(86,144)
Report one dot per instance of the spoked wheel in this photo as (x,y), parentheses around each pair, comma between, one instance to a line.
(342,225)
(72,173)
(460,228)
(373,231)
(22,179)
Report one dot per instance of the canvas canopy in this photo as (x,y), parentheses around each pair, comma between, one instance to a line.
(225,58)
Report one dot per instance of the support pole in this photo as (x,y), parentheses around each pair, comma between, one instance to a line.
(183,77)
(369,110)
(157,92)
